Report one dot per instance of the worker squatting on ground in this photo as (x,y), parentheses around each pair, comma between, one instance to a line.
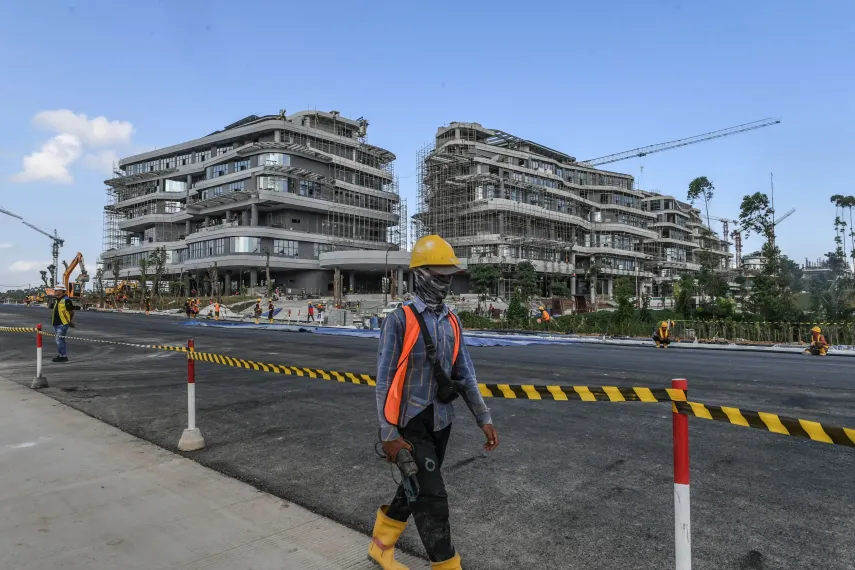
(62,319)
(422,366)
(818,344)
(662,334)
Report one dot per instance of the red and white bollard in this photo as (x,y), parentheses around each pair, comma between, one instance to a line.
(191,439)
(39,381)
(682,518)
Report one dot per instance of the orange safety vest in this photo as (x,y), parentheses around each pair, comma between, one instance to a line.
(412,332)
(216,307)
(545,316)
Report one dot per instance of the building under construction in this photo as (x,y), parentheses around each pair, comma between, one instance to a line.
(500,199)
(273,191)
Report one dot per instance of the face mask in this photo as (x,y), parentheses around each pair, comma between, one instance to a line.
(432,288)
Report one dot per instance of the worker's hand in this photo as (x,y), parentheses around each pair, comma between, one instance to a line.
(492,437)
(391,448)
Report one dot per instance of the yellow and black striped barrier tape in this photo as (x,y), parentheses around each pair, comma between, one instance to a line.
(512,391)
(766,421)
(119,343)
(18,329)
(135,345)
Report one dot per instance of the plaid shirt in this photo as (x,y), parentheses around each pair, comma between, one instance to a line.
(420,385)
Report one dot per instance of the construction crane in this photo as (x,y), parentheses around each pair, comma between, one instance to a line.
(645,150)
(58,242)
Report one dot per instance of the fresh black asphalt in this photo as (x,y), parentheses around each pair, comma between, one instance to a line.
(572,485)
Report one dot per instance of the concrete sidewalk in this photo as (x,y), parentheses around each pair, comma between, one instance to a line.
(76,493)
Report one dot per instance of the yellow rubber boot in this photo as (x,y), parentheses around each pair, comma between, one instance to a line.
(383,539)
(452,564)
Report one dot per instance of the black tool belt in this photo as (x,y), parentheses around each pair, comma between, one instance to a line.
(448,389)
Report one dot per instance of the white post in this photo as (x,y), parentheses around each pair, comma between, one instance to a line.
(191,439)
(682,519)
(39,381)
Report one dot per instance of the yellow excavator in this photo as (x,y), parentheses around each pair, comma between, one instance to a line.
(74,289)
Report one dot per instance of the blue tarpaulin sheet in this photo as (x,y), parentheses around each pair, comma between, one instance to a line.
(473,338)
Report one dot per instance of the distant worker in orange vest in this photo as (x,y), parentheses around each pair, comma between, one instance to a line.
(422,366)
(217,311)
(818,344)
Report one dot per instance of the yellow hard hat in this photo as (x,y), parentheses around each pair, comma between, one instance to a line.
(433,251)
(540,308)
(816,330)
(663,324)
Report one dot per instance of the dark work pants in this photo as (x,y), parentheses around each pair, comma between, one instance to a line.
(661,340)
(430,509)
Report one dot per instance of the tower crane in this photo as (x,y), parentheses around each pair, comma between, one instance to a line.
(645,150)
(57,242)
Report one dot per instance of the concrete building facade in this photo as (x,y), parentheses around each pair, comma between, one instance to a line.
(292,188)
(500,199)
(681,240)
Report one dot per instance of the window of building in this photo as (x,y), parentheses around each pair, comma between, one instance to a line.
(174,186)
(217,191)
(242,165)
(285,247)
(171,206)
(274,159)
(237,186)
(224,149)
(309,188)
(245,244)
(295,221)
(202,156)
(272,184)
(320,248)
(218,170)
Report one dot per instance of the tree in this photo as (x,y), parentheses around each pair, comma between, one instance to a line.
(701,188)
(559,288)
(213,279)
(144,276)
(623,290)
(157,258)
(43,274)
(684,290)
(99,285)
(593,274)
(116,264)
(483,277)
(517,315)
(755,215)
(525,280)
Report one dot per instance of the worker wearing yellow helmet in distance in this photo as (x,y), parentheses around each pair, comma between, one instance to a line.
(662,334)
(818,344)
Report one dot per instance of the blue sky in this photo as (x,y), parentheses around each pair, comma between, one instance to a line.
(588,78)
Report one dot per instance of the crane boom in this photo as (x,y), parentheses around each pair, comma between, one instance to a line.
(41,231)
(645,150)
(785,216)
(56,241)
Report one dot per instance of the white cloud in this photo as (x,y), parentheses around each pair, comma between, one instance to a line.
(76,132)
(98,131)
(52,161)
(102,162)
(5,246)
(25,266)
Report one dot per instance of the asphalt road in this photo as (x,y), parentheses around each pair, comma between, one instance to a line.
(572,485)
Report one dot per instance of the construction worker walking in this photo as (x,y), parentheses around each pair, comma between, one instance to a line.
(217,310)
(62,319)
(422,367)
(270,312)
(147,304)
(257,311)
